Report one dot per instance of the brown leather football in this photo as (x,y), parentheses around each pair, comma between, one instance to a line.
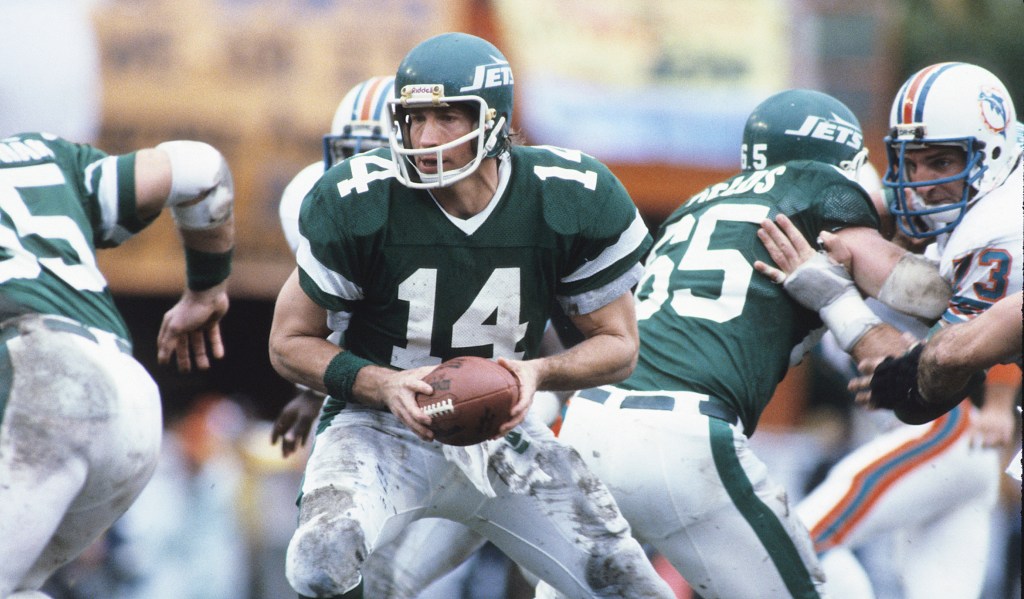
(472,398)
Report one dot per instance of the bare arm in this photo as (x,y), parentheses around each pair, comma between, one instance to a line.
(865,336)
(868,256)
(952,355)
(957,351)
(194,321)
(301,353)
(607,354)
(299,349)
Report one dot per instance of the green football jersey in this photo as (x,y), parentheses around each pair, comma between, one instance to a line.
(59,201)
(411,286)
(708,321)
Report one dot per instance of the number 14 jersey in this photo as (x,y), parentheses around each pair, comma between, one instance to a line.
(411,285)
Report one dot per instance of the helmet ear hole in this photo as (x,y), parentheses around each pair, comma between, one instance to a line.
(996,152)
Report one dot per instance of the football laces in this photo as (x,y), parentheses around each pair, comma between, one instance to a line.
(439,408)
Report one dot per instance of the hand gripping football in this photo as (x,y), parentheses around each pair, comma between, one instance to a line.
(472,398)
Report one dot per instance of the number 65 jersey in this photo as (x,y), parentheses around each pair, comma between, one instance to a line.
(411,285)
(708,321)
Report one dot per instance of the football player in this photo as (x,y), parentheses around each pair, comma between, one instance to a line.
(359,125)
(955,172)
(429,548)
(671,441)
(80,418)
(456,242)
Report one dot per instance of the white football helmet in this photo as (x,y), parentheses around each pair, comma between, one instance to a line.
(360,123)
(951,103)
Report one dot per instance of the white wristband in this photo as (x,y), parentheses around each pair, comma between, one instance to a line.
(849,318)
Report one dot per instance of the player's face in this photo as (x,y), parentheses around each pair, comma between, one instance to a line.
(431,127)
(937,162)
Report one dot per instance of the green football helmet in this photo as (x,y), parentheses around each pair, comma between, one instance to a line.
(446,69)
(802,124)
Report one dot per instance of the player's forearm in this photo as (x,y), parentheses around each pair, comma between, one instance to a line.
(215,240)
(952,356)
(301,359)
(598,360)
(957,351)
(607,354)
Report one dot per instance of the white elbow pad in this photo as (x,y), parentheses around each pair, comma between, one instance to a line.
(198,170)
(915,287)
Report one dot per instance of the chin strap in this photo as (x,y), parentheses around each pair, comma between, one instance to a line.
(492,139)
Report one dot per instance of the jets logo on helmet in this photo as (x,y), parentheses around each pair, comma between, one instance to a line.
(952,104)
(490,75)
(359,122)
(452,68)
(802,124)
(834,129)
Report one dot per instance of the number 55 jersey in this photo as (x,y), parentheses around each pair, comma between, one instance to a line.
(59,201)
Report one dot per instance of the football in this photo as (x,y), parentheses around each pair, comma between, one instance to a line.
(472,398)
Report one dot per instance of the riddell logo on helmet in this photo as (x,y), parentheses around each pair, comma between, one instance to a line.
(416,90)
(490,75)
(834,129)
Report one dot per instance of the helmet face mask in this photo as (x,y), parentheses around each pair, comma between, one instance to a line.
(949,104)
(803,124)
(447,70)
(360,122)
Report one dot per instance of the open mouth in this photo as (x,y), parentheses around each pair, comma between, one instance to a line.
(427,164)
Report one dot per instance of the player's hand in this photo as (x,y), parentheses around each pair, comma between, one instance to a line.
(190,325)
(396,391)
(836,249)
(860,386)
(295,420)
(786,245)
(526,372)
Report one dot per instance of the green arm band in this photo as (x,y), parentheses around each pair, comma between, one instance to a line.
(203,270)
(341,374)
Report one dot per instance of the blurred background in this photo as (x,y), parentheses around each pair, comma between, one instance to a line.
(657,89)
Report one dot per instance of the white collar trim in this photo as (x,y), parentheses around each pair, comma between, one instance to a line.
(471,224)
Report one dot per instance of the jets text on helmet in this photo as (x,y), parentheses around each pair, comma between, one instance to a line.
(490,75)
(834,129)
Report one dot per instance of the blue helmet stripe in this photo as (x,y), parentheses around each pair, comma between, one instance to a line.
(922,96)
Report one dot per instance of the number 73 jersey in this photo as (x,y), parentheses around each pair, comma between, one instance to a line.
(410,285)
(708,321)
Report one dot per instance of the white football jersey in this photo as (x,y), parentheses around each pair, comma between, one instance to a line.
(291,201)
(982,256)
